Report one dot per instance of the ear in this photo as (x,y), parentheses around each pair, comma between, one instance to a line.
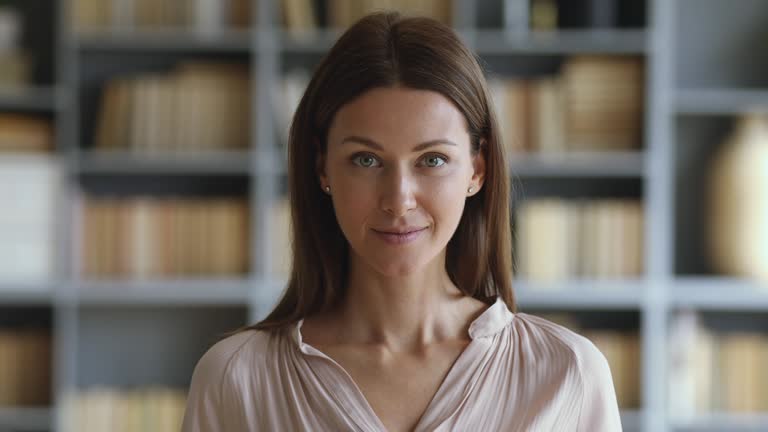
(478,164)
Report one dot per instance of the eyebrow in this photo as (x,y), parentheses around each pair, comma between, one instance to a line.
(374,145)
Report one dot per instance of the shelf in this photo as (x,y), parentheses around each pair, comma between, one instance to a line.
(25,418)
(580,294)
(213,163)
(568,294)
(268,292)
(318,41)
(721,101)
(631,420)
(168,40)
(176,292)
(719,293)
(561,42)
(503,42)
(44,99)
(716,422)
(26,292)
(578,164)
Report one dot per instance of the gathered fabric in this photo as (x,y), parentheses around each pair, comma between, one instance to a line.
(519,372)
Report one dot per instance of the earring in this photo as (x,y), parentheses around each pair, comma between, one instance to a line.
(328,189)
(470,189)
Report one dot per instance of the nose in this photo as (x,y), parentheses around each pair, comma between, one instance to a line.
(397,192)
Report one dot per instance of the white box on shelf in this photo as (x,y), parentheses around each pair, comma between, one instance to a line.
(29,190)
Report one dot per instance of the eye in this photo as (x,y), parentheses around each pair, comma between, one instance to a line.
(366,159)
(433,161)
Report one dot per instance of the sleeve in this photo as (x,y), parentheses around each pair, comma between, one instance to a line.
(599,407)
(211,402)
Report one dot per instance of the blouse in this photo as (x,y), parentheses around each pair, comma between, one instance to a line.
(519,372)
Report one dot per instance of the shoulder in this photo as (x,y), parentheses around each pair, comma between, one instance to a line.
(231,356)
(561,349)
(231,352)
(562,342)
(214,400)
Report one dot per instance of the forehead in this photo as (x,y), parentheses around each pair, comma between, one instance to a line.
(400,116)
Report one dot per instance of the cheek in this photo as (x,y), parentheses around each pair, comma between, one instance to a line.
(444,198)
(353,202)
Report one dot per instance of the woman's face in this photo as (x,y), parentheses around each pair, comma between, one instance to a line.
(399,160)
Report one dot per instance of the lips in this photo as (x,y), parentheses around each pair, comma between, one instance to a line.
(400,236)
(400,231)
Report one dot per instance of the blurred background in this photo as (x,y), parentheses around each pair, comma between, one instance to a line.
(143,210)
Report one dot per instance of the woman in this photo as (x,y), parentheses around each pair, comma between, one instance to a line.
(399,314)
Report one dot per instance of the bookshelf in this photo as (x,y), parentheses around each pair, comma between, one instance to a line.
(39,99)
(129,333)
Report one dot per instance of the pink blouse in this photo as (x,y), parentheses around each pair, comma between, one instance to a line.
(518,373)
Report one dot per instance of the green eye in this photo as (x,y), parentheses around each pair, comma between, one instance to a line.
(365,160)
(433,161)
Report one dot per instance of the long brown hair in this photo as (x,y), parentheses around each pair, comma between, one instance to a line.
(386,49)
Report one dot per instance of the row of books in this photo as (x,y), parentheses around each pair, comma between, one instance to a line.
(25,367)
(596,103)
(716,370)
(621,349)
(29,189)
(560,239)
(200,106)
(204,17)
(302,17)
(25,133)
(102,408)
(152,237)
(146,237)
(556,238)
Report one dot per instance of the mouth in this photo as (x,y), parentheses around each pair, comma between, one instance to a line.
(413,230)
(399,238)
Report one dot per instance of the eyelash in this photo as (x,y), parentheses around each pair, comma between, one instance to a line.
(357,155)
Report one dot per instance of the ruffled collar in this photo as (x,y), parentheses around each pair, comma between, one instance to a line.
(493,320)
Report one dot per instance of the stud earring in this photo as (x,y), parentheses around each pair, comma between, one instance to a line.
(470,189)
(328,189)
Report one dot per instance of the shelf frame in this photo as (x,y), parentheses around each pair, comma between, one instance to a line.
(656,295)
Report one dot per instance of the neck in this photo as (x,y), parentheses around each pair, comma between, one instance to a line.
(403,313)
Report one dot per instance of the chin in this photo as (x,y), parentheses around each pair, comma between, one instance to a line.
(401,271)
(403,265)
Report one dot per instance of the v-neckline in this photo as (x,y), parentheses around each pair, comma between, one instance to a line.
(460,375)
(427,415)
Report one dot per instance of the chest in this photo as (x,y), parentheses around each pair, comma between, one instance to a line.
(399,388)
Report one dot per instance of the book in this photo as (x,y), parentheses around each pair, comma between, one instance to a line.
(281,237)
(25,367)
(198,107)
(547,101)
(142,238)
(100,408)
(603,100)
(567,238)
(299,17)
(24,133)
